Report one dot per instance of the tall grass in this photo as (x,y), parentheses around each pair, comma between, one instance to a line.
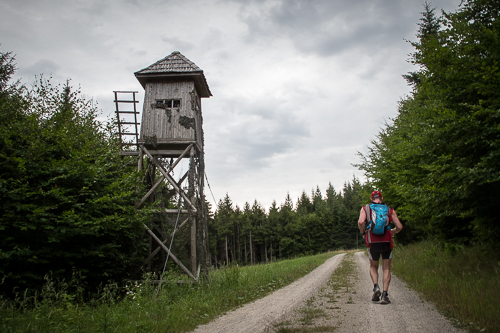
(169,307)
(464,283)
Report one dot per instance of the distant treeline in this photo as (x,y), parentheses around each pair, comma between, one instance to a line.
(315,224)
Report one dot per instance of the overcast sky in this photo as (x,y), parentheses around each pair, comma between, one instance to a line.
(298,86)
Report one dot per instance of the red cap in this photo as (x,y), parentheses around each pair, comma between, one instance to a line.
(376,194)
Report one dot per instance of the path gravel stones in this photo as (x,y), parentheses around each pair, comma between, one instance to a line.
(346,311)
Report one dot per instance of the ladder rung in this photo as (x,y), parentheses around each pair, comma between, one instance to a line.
(120,101)
(127,123)
(132,112)
(125,91)
(128,133)
(129,144)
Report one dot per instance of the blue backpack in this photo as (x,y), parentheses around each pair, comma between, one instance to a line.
(377,216)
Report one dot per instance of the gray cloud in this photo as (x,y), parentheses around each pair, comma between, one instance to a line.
(253,134)
(177,43)
(43,66)
(299,86)
(326,27)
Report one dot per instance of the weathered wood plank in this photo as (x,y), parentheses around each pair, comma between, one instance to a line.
(153,152)
(174,258)
(156,123)
(170,211)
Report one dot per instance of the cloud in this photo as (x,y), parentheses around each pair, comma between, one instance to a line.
(253,132)
(299,86)
(43,66)
(177,44)
(327,28)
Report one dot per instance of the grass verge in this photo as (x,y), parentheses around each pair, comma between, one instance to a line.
(148,308)
(462,282)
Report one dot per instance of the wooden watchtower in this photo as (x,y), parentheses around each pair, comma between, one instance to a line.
(171,131)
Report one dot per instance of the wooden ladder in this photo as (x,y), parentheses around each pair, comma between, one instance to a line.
(125,118)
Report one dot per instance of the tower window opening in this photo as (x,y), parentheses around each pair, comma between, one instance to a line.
(168,103)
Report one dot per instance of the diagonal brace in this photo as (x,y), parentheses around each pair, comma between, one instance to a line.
(170,179)
(174,258)
(139,204)
(151,256)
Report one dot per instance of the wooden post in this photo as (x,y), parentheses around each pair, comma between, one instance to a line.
(140,160)
(202,227)
(191,194)
(150,241)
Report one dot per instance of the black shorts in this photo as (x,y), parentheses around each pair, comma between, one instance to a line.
(378,249)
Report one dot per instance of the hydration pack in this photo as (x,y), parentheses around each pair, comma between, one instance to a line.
(378,219)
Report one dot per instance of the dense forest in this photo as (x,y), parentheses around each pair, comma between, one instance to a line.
(66,204)
(438,160)
(315,224)
(67,197)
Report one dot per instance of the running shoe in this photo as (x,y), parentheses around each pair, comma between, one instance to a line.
(385,299)
(376,294)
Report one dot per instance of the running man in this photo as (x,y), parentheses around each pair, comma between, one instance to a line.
(379,246)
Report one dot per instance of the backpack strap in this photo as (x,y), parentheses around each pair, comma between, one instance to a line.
(368,212)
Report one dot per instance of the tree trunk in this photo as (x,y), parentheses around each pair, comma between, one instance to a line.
(246,254)
(262,252)
(233,254)
(227,256)
(251,249)
(239,244)
(265,249)
(271,246)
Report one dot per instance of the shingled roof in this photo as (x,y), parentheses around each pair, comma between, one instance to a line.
(174,66)
(175,62)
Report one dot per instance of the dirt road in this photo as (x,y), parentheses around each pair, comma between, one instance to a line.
(352,310)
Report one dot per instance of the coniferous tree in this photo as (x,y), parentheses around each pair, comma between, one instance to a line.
(437,162)
(67,200)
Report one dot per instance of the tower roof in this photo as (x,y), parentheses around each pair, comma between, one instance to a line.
(174,67)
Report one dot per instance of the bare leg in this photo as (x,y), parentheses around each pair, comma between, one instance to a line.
(386,267)
(374,271)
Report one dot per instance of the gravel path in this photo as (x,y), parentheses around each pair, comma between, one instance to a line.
(406,313)
(257,316)
(350,310)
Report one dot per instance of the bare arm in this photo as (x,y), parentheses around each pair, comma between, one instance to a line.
(396,221)
(362,220)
